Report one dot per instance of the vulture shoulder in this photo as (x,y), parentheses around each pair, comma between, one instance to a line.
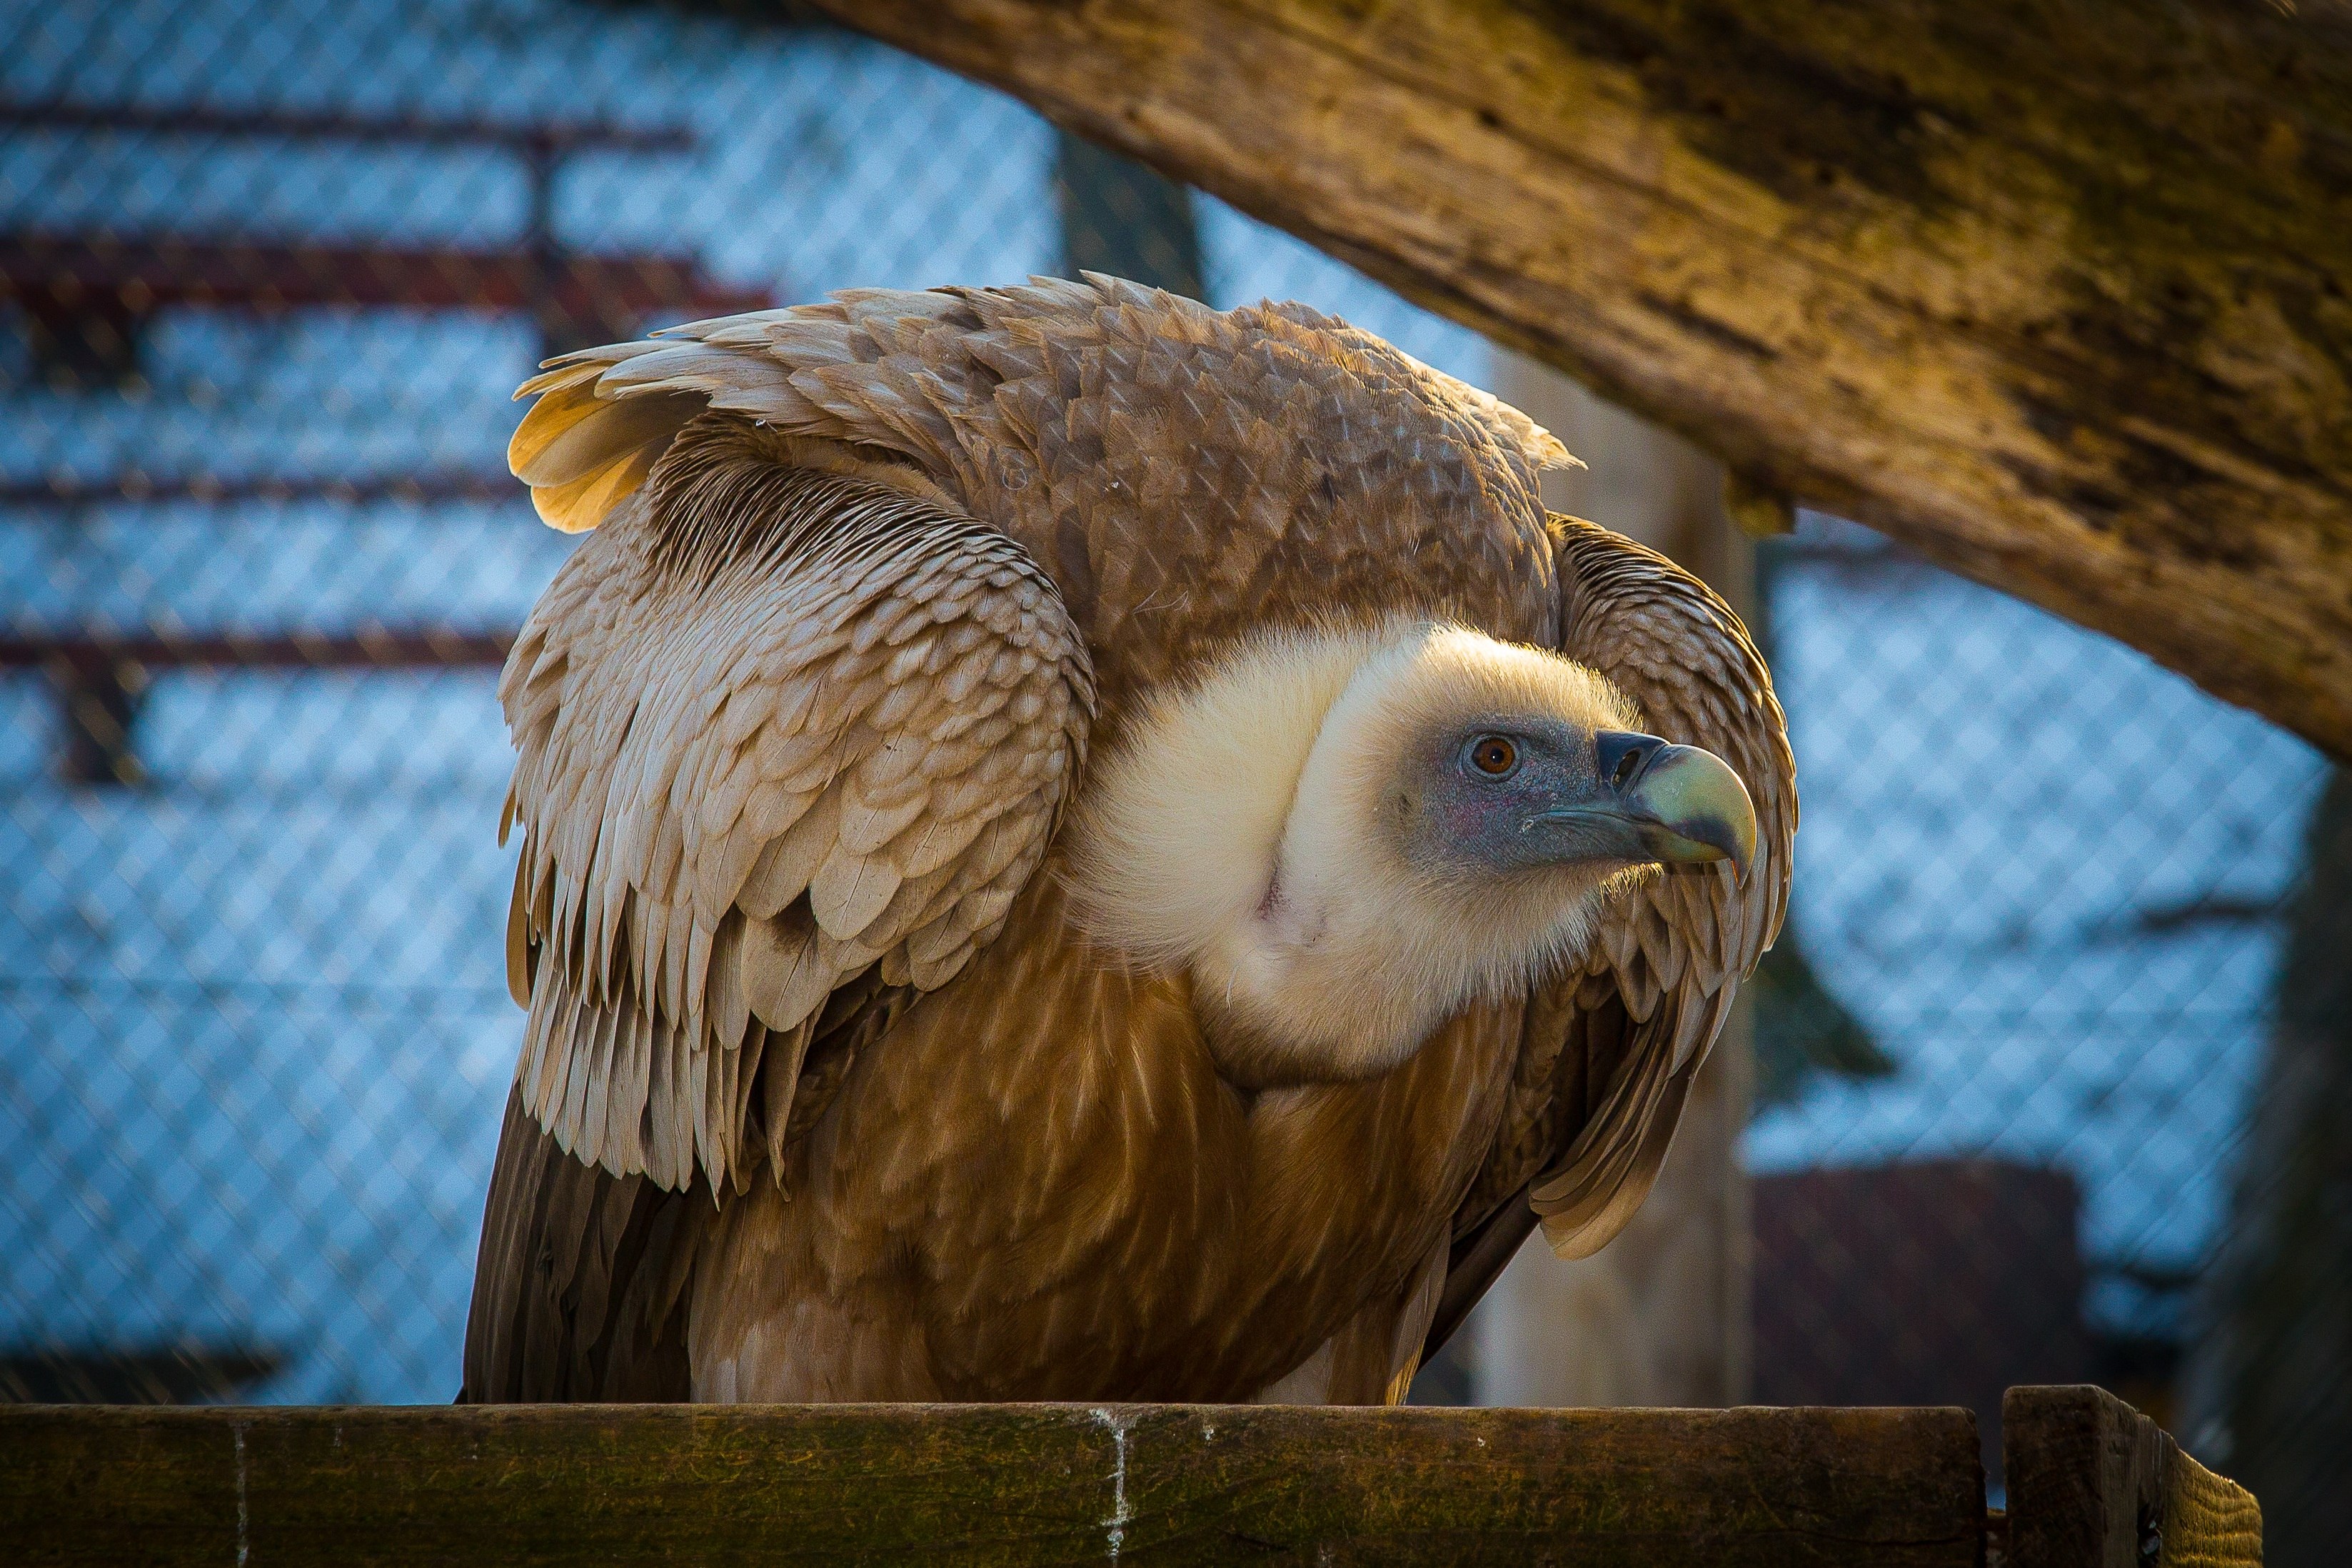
(1612,1046)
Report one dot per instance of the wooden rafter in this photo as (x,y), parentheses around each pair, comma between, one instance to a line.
(2059,295)
(2090,1481)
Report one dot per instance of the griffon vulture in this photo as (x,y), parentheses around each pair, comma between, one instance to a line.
(1078,845)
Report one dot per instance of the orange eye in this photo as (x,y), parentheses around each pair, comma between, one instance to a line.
(1494,756)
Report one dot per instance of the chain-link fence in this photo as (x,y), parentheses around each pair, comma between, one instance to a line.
(270,269)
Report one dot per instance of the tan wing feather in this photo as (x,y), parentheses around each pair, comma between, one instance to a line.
(739,781)
(839,370)
(954,382)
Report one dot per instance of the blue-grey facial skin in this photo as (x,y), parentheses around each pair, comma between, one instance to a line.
(1570,797)
(1473,821)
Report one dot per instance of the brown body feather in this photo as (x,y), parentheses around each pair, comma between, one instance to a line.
(927,549)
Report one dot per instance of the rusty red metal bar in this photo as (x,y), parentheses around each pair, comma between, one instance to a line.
(208,489)
(554,137)
(138,274)
(361,648)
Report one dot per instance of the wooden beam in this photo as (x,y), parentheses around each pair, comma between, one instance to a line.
(2092,1483)
(2060,295)
(1029,1484)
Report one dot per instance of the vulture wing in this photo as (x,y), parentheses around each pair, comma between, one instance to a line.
(791,727)
(792,737)
(1611,1048)
(789,743)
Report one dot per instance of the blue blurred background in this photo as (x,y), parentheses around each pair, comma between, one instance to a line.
(272,268)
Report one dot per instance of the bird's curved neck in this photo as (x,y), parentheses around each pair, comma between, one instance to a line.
(1228,839)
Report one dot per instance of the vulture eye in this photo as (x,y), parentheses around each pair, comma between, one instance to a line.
(1493,755)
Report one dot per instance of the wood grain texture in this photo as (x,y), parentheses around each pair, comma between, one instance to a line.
(2059,295)
(2092,1483)
(988,1484)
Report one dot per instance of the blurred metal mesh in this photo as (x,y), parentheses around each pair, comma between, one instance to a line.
(271,268)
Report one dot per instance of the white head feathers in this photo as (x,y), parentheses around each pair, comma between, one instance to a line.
(1257,831)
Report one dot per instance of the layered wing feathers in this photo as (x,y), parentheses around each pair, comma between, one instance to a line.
(778,728)
(908,373)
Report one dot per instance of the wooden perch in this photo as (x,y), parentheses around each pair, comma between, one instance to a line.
(2059,295)
(2095,1483)
(2092,1481)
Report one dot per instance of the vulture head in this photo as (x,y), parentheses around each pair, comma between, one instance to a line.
(1343,835)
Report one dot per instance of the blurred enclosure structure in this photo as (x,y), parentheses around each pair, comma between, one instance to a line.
(269,269)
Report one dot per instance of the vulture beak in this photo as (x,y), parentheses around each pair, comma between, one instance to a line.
(1675,804)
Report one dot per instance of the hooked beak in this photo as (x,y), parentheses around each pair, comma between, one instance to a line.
(1675,804)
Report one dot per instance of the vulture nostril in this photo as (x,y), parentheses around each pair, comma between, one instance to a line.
(1623,754)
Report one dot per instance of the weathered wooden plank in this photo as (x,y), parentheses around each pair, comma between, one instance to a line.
(2060,294)
(2092,1483)
(555,1484)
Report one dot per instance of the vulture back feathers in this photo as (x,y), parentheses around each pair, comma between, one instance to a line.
(831,1088)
